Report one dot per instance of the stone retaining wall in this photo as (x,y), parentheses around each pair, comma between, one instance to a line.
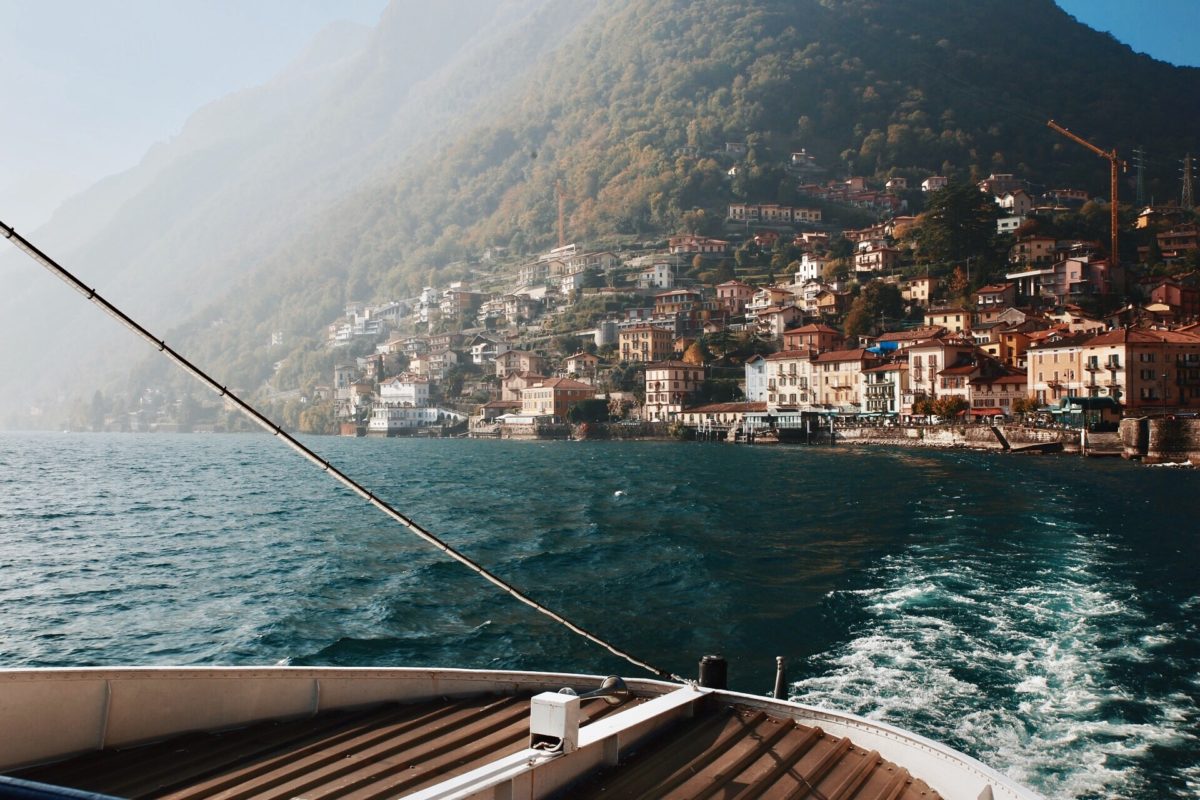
(1161,440)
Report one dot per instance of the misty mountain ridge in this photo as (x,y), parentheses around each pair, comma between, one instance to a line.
(371,162)
(250,171)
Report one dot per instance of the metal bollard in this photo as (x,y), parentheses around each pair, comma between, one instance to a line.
(714,672)
(780,692)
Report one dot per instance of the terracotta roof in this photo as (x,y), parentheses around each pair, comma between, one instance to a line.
(722,408)
(966,369)
(893,367)
(947,340)
(857,354)
(1144,336)
(992,288)
(927,332)
(562,383)
(814,327)
(1013,379)
(784,355)
(1040,340)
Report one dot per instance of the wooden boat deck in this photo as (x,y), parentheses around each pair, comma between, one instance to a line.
(394,750)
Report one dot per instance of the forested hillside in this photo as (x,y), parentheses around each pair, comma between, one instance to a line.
(254,171)
(630,111)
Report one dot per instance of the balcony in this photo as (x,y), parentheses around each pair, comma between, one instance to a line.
(1091,366)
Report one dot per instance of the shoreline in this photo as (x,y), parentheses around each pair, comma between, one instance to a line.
(1149,440)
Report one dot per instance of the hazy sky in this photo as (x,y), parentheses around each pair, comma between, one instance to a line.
(90,85)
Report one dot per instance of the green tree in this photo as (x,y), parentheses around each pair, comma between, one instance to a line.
(189,410)
(318,418)
(97,410)
(593,279)
(590,410)
(719,390)
(568,344)
(959,222)
(720,343)
(877,302)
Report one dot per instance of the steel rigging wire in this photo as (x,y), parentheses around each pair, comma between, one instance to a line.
(277,430)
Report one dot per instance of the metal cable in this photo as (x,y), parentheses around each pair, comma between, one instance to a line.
(277,430)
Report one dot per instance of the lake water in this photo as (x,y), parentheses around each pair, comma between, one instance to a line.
(1039,613)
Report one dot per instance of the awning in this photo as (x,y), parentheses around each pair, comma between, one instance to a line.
(1077,403)
(986,412)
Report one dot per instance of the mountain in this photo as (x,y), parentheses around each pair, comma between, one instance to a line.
(253,171)
(628,104)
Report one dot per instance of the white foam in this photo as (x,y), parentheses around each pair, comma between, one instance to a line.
(1015,670)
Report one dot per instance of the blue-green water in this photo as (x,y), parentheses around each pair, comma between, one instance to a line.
(1039,613)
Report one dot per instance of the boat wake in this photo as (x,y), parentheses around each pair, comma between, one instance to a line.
(1039,670)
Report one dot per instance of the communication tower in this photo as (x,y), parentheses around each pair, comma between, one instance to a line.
(1187,200)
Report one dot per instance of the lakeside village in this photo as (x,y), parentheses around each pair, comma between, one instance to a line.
(786,324)
(1020,348)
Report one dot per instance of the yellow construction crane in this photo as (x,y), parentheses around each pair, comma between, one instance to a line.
(1115,162)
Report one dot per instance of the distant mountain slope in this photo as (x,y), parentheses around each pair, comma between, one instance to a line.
(255,169)
(629,109)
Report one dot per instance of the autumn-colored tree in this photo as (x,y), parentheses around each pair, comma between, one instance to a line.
(695,354)
(1025,405)
(834,268)
(958,284)
(949,406)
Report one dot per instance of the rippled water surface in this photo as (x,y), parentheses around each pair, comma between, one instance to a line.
(1038,613)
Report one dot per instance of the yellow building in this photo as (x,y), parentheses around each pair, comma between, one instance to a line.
(554,397)
(646,343)
(954,320)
